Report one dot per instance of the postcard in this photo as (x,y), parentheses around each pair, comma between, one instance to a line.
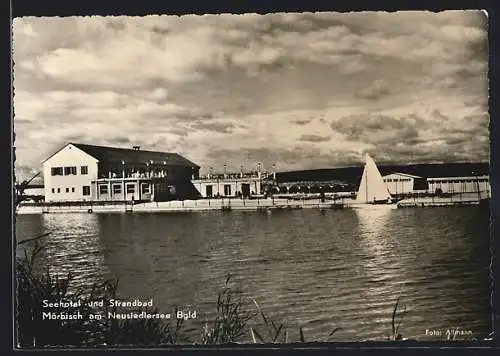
(252,178)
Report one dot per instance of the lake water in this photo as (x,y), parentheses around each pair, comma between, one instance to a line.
(317,269)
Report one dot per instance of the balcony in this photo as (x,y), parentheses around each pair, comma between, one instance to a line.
(221,176)
(131,176)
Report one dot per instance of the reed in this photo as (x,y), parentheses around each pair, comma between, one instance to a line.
(230,322)
(35,330)
(36,284)
(278,332)
(395,335)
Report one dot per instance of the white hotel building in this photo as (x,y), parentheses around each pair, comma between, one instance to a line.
(80,172)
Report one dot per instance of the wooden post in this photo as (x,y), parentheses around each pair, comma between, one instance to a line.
(139,186)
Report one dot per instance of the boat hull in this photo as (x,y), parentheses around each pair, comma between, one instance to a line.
(369,206)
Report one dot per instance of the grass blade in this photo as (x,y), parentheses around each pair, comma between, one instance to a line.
(334,331)
(394,317)
(255,335)
(302,339)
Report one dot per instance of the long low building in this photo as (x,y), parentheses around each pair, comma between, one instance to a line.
(401,183)
(461,177)
(81,172)
(231,184)
(470,184)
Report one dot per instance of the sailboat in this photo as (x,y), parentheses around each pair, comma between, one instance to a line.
(372,189)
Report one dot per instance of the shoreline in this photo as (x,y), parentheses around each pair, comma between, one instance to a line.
(199,205)
(185,206)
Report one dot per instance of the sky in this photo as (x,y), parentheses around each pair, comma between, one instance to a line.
(299,90)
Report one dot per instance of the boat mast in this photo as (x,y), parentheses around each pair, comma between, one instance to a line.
(366,179)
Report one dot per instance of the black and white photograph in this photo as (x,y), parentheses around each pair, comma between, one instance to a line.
(251,178)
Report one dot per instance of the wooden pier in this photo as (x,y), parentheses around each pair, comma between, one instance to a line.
(226,204)
(436,202)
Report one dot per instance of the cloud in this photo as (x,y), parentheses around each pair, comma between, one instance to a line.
(376,128)
(219,127)
(375,90)
(301,122)
(277,87)
(314,138)
(435,138)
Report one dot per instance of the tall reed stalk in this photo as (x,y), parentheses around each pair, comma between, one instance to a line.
(35,284)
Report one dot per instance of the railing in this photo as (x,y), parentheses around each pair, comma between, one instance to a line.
(82,203)
(233,176)
(130,177)
(225,204)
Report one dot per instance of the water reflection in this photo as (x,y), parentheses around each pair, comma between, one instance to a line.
(72,245)
(315,269)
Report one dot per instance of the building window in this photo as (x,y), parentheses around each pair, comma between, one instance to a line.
(145,188)
(86,190)
(84,170)
(67,190)
(130,188)
(72,189)
(70,171)
(59,190)
(227,189)
(56,171)
(209,191)
(53,190)
(117,188)
(103,189)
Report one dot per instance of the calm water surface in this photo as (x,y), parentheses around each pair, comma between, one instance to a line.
(319,270)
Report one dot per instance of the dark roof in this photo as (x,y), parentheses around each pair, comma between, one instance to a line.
(132,156)
(353,174)
(34,186)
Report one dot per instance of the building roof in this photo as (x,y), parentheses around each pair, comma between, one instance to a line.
(402,174)
(129,155)
(133,156)
(353,174)
(34,186)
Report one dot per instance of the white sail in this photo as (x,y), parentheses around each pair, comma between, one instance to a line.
(372,187)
